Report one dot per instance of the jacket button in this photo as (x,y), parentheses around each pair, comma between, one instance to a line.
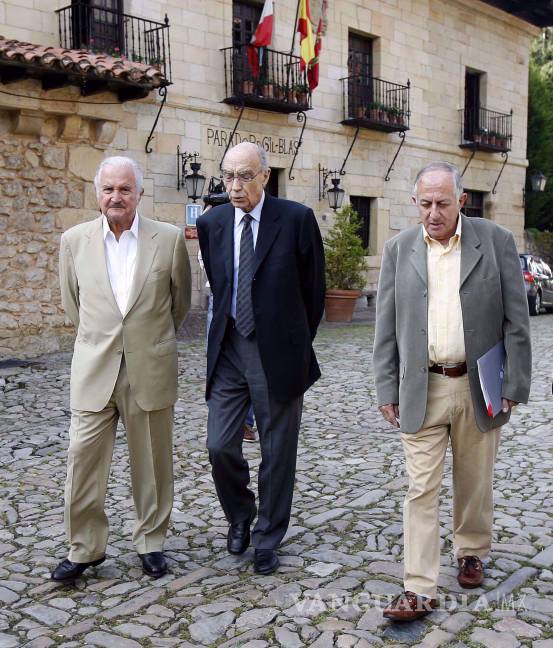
(423,369)
(423,331)
(424,294)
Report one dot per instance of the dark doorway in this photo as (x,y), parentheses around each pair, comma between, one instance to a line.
(474,206)
(272,185)
(98,26)
(472,104)
(360,64)
(245,18)
(362,206)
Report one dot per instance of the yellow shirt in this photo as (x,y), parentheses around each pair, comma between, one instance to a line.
(446,342)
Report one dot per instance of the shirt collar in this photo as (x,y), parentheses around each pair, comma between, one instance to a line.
(134,227)
(456,237)
(255,213)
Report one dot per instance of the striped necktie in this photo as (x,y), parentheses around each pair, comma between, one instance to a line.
(244,309)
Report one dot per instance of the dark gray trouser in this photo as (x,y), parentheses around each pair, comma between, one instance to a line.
(239,378)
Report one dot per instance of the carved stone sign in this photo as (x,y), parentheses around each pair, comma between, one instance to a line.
(271,143)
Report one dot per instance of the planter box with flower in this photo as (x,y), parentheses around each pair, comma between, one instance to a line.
(345,266)
(301,91)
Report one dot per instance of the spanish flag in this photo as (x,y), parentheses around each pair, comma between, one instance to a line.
(313,69)
(305,28)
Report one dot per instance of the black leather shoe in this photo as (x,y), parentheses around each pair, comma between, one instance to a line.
(238,538)
(70,571)
(265,561)
(154,564)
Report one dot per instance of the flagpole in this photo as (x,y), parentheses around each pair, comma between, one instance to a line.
(295,29)
(293,43)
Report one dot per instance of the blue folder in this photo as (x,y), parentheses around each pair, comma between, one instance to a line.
(491,367)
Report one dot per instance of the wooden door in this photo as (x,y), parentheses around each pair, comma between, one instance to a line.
(360,63)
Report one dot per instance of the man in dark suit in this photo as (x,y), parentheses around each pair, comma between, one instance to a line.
(265,262)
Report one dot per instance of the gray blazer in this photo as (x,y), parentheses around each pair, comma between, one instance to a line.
(494,307)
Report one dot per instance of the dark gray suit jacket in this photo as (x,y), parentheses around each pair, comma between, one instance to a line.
(494,307)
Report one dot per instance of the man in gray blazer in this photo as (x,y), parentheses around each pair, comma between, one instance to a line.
(125,285)
(449,290)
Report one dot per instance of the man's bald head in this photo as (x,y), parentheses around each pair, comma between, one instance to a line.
(245,173)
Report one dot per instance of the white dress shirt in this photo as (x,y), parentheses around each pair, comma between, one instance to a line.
(121,260)
(255,213)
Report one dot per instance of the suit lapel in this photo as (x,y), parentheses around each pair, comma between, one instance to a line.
(269,227)
(99,267)
(470,254)
(418,256)
(145,254)
(224,240)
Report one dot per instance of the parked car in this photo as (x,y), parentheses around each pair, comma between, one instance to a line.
(538,280)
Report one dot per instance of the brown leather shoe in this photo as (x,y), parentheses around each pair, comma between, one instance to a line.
(409,606)
(471,572)
(249,434)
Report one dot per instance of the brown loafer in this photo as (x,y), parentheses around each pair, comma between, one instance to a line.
(409,606)
(471,572)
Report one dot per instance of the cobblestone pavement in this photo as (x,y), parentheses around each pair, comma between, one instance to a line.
(341,560)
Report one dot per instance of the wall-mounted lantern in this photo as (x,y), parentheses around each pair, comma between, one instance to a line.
(537,181)
(194,182)
(335,194)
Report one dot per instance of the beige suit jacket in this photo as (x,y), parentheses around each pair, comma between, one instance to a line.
(158,302)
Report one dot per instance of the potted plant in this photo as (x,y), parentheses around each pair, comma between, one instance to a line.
(372,110)
(360,111)
(383,113)
(345,265)
(267,89)
(301,90)
(279,92)
(247,86)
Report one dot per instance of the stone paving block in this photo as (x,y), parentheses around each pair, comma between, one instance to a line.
(492,639)
(109,640)
(339,563)
(209,629)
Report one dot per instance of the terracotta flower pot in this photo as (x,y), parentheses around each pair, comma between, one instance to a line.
(339,304)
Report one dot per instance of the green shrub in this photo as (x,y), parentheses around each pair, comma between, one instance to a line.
(344,253)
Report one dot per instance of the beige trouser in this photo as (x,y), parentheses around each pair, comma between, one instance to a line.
(92,438)
(449,414)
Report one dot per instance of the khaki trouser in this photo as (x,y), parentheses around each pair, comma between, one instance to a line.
(92,438)
(449,415)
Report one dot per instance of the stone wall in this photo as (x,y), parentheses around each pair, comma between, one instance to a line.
(35,187)
(429,42)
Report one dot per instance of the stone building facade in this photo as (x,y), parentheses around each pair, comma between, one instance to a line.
(51,140)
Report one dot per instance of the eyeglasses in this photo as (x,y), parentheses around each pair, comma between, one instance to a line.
(242,177)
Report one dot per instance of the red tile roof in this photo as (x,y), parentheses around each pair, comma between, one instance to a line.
(81,62)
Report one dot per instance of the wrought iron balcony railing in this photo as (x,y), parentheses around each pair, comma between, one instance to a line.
(373,103)
(486,130)
(106,31)
(274,81)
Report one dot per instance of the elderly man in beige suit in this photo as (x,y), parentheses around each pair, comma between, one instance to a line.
(125,285)
(449,290)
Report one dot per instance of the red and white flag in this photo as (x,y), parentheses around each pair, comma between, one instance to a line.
(262,37)
(313,68)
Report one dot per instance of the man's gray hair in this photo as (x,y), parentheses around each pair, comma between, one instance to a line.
(119,161)
(442,166)
(261,153)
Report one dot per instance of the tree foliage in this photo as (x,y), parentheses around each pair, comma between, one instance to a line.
(539,206)
(344,252)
